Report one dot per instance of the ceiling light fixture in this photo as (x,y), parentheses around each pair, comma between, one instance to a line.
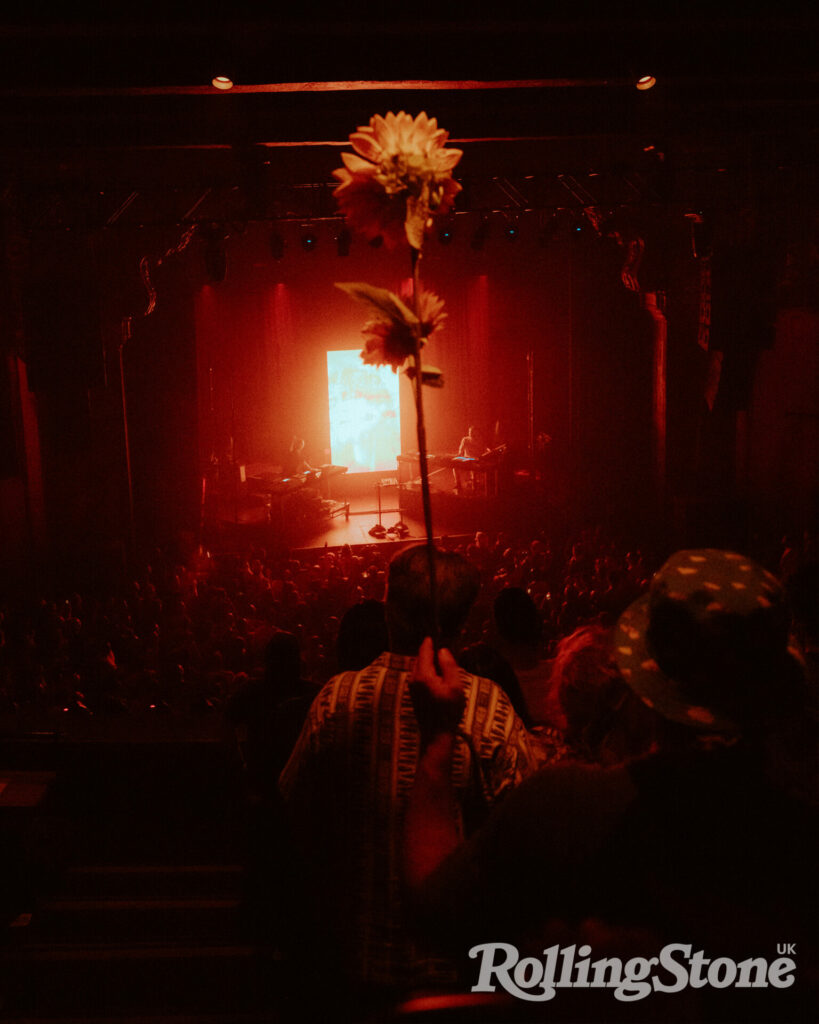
(446,232)
(221,82)
(646,82)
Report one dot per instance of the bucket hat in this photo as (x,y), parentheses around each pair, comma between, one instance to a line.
(707,643)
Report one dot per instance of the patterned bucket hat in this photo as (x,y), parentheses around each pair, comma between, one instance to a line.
(707,643)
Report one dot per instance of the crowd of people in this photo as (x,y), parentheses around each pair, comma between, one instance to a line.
(564,744)
(651,781)
(183,634)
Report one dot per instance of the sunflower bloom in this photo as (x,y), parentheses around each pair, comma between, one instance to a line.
(392,342)
(389,337)
(398,177)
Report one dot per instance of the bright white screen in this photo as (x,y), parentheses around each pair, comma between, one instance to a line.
(365,426)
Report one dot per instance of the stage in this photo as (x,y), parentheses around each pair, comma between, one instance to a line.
(363,503)
(335,531)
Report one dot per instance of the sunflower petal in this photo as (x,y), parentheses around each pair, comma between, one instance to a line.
(364,144)
(446,159)
(357,165)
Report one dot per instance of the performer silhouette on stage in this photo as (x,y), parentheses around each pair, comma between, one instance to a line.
(294,463)
(470,448)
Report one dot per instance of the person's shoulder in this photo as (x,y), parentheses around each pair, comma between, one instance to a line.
(484,686)
(488,707)
(354,684)
(478,683)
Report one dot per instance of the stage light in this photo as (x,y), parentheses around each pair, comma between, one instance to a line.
(512,230)
(343,240)
(646,82)
(222,82)
(276,245)
(309,239)
(446,232)
(585,225)
(481,233)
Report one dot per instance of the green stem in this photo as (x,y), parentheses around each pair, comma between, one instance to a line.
(422,451)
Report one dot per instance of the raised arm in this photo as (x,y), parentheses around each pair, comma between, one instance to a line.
(430,827)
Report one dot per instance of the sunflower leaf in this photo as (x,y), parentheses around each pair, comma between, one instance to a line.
(383,302)
(430,375)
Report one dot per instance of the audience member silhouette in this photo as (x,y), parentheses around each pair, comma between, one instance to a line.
(362,635)
(267,713)
(347,780)
(605,723)
(519,630)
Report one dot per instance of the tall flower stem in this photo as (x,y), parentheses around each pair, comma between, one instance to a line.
(422,449)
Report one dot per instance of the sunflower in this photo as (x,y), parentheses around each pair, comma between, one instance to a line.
(389,337)
(399,175)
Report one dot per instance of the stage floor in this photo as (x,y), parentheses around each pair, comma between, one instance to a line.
(299,524)
(354,529)
(451,517)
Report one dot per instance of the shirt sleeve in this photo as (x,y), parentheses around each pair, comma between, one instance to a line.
(505,753)
(301,764)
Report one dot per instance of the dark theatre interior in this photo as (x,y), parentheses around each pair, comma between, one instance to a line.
(200,506)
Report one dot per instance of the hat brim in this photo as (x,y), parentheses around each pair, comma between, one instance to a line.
(654,688)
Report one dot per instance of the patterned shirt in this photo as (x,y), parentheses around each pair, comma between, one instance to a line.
(347,783)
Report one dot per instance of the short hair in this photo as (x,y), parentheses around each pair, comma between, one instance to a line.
(408,604)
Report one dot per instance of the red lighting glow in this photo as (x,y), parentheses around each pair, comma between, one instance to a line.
(646,82)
